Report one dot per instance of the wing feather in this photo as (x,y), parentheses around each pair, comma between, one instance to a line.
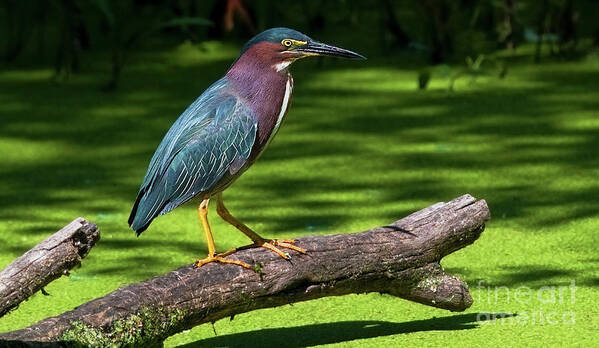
(213,136)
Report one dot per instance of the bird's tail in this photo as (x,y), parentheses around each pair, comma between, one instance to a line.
(144,211)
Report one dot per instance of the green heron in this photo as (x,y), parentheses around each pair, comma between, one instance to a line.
(223,132)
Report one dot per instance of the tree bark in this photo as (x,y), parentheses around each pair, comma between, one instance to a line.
(401,259)
(47,261)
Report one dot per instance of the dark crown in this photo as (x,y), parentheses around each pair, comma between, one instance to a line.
(275,35)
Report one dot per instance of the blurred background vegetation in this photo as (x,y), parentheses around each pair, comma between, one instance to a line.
(58,33)
(498,99)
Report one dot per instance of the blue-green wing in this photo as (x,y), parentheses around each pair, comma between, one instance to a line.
(213,136)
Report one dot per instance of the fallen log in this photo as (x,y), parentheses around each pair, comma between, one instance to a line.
(400,259)
(47,261)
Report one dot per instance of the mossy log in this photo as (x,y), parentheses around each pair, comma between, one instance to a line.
(401,259)
(48,260)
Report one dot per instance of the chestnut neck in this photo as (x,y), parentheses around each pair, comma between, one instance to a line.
(255,79)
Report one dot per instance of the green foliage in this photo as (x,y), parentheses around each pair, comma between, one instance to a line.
(56,32)
(65,28)
(185,21)
(480,66)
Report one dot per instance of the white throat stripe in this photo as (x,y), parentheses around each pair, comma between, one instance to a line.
(284,105)
(282,65)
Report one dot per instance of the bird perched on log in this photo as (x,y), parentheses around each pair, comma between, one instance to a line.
(222,133)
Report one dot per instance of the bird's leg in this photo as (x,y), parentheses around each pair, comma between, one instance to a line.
(258,241)
(212,256)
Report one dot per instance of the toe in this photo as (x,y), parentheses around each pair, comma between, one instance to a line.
(292,247)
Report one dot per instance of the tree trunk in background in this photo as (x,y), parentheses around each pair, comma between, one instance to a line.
(392,24)
(67,54)
(566,28)
(541,25)
(439,13)
(508,24)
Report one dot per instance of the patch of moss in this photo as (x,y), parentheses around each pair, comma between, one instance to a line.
(147,327)
(430,283)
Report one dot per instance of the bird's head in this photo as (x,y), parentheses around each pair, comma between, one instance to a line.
(280,47)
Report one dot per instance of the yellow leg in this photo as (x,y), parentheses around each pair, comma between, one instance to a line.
(212,256)
(258,241)
(203,214)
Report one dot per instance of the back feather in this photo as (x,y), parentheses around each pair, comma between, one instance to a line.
(214,135)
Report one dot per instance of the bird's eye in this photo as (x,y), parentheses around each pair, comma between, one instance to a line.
(287,43)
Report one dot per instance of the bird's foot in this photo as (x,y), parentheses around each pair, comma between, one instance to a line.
(272,245)
(283,243)
(221,258)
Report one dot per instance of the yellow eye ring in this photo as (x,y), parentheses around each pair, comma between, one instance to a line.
(287,43)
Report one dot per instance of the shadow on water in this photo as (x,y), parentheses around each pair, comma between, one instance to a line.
(530,275)
(344,331)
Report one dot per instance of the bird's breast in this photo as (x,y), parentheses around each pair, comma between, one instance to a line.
(271,112)
(265,91)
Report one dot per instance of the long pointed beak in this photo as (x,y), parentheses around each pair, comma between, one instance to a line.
(320,49)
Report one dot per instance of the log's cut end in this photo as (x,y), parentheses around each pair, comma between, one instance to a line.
(47,261)
(433,287)
(401,259)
